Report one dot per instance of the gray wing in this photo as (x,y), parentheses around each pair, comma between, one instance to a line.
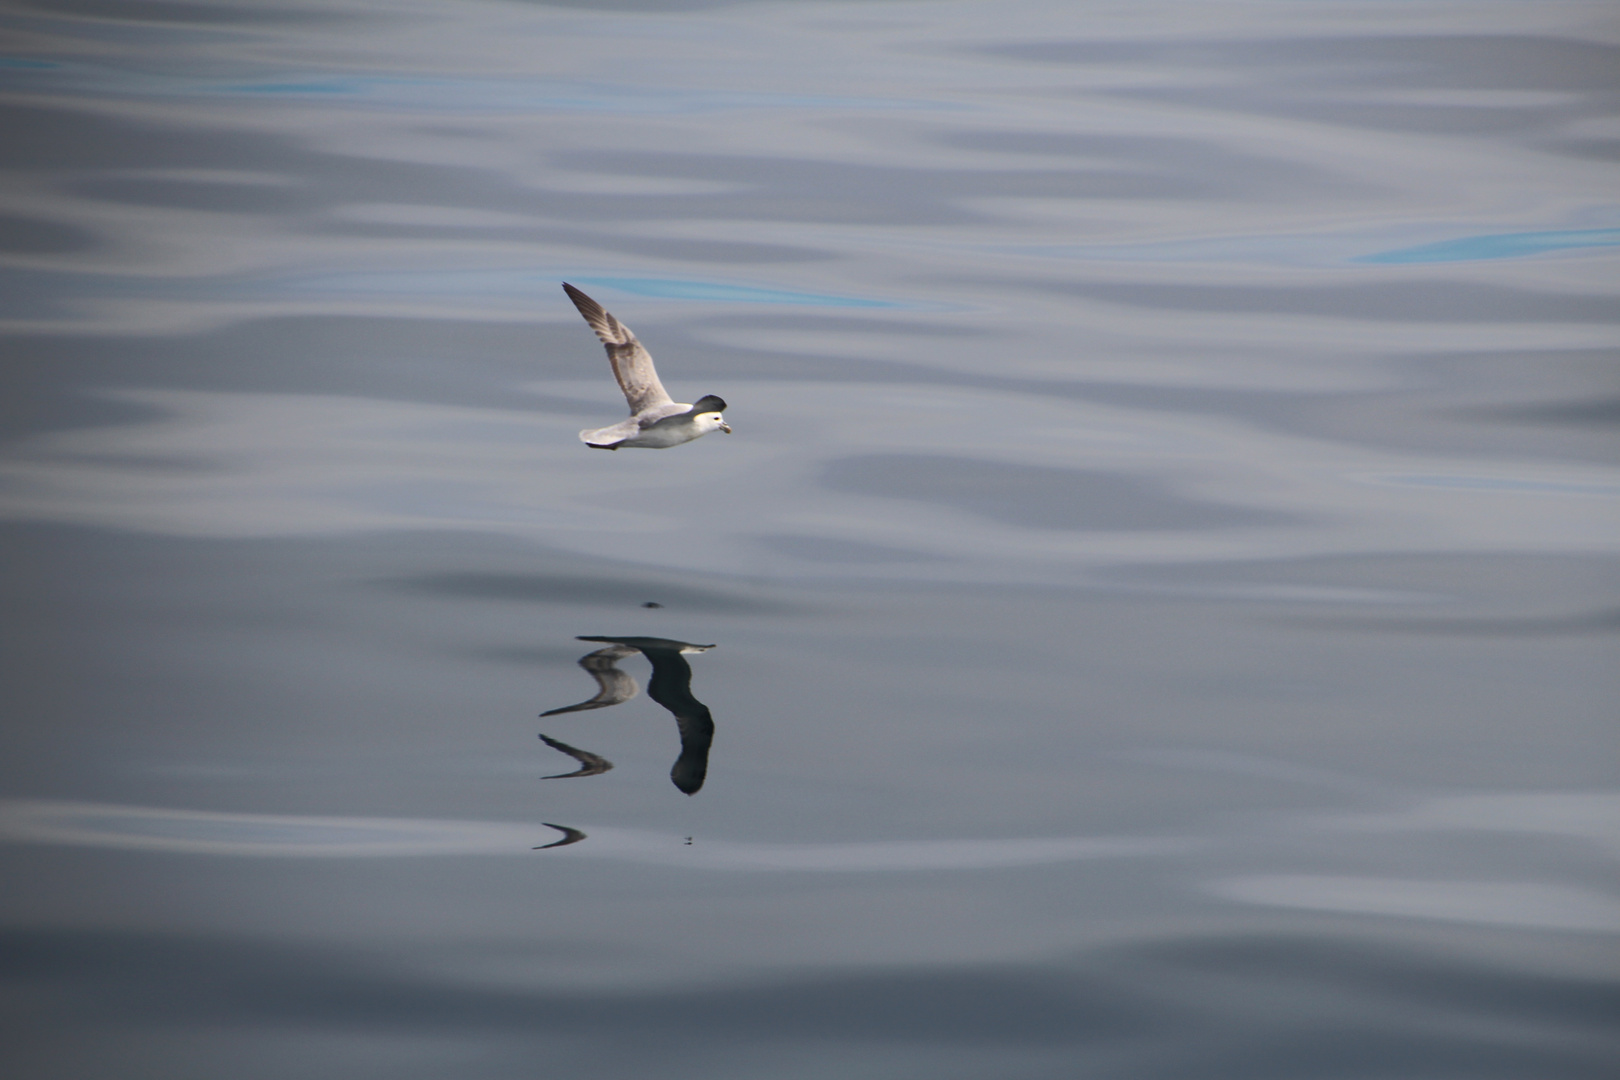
(589,764)
(613,686)
(611,435)
(641,643)
(570,836)
(632,364)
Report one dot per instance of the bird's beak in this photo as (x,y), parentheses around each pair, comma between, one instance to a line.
(725,427)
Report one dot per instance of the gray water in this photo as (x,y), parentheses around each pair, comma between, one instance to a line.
(1162,581)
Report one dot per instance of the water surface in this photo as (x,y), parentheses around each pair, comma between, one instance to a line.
(1162,584)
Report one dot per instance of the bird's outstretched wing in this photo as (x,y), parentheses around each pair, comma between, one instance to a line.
(632,364)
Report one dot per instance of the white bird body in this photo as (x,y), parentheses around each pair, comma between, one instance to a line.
(656,421)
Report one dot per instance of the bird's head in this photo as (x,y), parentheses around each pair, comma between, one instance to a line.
(706,415)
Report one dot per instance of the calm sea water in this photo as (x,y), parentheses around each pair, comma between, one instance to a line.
(1162,584)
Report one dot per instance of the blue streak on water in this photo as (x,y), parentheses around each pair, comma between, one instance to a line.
(1327,250)
(18,63)
(309,87)
(1498,246)
(409,283)
(671,289)
(493,283)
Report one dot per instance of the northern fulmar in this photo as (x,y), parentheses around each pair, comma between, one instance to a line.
(656,420)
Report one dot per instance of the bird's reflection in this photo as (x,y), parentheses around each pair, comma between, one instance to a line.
(613,686)
(589,764)
(670,686)
(569,836)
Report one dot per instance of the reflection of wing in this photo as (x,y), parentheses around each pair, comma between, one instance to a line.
(632,364)
(693,765)
(671,687)
(613,685)
(570,836)
(645,643)
(589,764)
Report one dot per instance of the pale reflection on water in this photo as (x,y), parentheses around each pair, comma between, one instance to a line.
(1051,490)
(1164,567)
(1531,905)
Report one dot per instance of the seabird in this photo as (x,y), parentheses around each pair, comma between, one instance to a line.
(656,420)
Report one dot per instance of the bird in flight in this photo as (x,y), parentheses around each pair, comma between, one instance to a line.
(656,420)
